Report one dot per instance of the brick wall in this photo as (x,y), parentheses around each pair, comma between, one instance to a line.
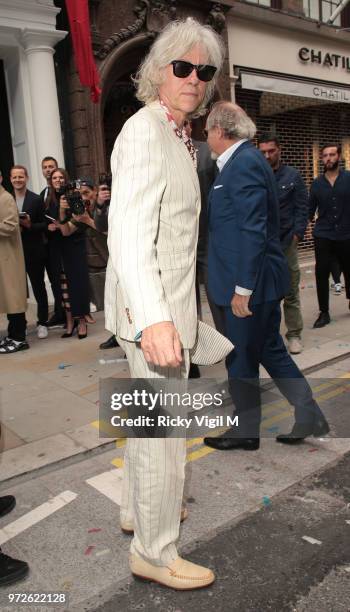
(303,127)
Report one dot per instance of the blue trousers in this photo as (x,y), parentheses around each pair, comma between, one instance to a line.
(257,340)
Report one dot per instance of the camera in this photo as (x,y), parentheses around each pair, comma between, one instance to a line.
(74,199)
(105,179)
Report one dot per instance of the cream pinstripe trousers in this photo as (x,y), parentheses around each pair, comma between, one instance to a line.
(154,475)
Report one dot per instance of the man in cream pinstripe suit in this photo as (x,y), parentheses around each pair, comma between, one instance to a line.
(150,300)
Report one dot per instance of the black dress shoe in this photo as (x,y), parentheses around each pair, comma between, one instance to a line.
(301,431)
(226,443)
(194,371)
(7,503)
(55,321)
(322,320)
(11,570)
(110,343)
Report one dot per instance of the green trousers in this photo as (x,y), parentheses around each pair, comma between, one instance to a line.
(291,304)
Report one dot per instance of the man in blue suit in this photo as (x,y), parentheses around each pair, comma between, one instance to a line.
(247,278)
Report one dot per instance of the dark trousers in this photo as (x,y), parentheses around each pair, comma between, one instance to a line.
(257,340)
(53,266)
(36,272)
(335,271)
(325,251)
(216,311)
(17,326)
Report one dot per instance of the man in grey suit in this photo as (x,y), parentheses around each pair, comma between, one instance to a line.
(150,299)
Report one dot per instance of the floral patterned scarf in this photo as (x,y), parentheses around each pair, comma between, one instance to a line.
(181,133)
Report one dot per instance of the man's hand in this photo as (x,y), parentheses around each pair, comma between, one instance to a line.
(161,345)
(239,305)
(25,222)
(104,195)
(84,218)
(52,227)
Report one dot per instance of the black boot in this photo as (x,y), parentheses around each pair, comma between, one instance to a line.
(11,570)
(7,503)
(322,320)
(110,343)
(301,431)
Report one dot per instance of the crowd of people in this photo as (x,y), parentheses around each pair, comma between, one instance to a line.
(254,214)
(62,233)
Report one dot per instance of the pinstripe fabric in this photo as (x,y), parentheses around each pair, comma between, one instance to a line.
(154,473)
(152,240)
(153,229)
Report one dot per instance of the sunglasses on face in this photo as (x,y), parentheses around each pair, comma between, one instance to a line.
(182,69)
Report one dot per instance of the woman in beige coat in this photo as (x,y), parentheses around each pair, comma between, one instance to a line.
(13,288)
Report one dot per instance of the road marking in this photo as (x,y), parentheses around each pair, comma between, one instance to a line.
(109,484)
(311,540)
(203,451)
(35,516)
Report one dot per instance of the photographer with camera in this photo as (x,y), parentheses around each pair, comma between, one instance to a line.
(68,241)
(101,223)
(96,240)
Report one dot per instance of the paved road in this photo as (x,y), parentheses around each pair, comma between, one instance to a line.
(66,526)
(264,564)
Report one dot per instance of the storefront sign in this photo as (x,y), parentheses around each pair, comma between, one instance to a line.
(295,88)
(267,48)
(315,56)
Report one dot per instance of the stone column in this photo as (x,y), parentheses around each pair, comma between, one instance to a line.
(39,50)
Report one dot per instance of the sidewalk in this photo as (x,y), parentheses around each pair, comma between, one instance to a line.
(49,394)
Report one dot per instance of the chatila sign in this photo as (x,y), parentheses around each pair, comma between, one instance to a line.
(332,60)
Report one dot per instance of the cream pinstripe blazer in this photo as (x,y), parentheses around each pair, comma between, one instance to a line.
(153,229)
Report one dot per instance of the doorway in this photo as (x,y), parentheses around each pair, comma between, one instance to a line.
(6,152)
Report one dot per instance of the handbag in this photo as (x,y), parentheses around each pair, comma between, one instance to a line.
(210,346)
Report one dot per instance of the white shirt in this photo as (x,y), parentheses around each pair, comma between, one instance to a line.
(220,162)
(225,156)
(19,202)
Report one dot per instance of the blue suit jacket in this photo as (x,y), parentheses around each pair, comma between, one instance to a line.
(244,244)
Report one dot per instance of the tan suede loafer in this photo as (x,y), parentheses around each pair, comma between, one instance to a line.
(180,575)
(128,527)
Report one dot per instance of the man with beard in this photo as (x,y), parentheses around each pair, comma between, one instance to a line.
(293,201)
(329,195)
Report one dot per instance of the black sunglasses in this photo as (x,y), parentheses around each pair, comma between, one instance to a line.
(182,69)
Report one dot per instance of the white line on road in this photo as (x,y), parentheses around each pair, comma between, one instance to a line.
(311,540)
(36,515)
(109,484)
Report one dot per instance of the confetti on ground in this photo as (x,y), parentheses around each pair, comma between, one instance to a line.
(239,485)
(67,585)
(273,429)
(311,540)
(94,530)
(89,550)
(106,361)
(100,553)
(348,522)
(266,500)
(308,271)
(312,450)
(347,569)
(62,366)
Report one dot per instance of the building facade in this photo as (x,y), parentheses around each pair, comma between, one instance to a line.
(287,67)
(30,124)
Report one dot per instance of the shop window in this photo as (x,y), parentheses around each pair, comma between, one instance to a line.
(320,10)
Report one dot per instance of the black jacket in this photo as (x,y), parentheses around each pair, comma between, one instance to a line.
(293,199)
(332,205)
(33,238)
